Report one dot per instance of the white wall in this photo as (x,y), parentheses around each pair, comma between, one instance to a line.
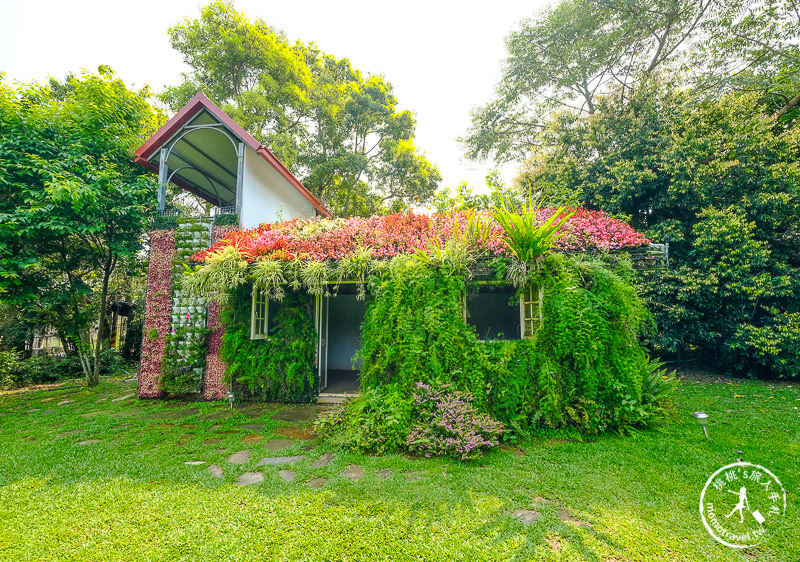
(267,196)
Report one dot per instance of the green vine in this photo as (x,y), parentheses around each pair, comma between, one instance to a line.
(281,367)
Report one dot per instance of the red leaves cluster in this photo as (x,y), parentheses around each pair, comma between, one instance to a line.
(402,233)
(214,388)
(157,311)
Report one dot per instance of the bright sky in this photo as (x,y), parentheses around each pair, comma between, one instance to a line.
(442,57)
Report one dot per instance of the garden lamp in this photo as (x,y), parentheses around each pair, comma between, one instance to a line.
(701,418)
(231,397)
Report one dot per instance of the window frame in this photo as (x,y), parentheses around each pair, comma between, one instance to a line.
(520,308)
(259,314)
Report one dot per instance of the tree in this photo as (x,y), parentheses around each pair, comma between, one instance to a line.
(718,181)
(73,206)
(569,55)
(339,131)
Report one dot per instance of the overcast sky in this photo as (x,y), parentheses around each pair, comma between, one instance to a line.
(442,57)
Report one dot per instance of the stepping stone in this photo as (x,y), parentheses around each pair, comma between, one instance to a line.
(324,460)
(415,476)
(73,432)
(308,447)
(384,474)
(249,478)
(65,402)
(526,516)
(194,463)
(304,434)
(255,413)
(353,472)
(89,442)
(212,441)
(216,471)
(49,412)
(128,413)
(317,482)
(218,415)
(240,457)
(93,414)
(252,438)
(134,379)
(252,426)
(287,475)
(276,461)
(296,414)
(170,414)
(121,398)
(277,444)
(188,426)
(219,451)
(565,516)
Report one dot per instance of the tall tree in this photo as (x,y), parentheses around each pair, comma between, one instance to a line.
(340,132)
(73,206)
(570,54)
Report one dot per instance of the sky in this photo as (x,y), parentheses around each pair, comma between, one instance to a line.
(442,57)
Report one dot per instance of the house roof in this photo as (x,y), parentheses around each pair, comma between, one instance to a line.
(203,161)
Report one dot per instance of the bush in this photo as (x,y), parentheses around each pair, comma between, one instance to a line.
(376,422)
(447,424)
(10,374)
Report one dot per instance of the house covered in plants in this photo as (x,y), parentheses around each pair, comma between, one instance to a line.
(529,310)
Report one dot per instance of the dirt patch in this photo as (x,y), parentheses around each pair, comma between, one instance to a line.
(212,441)
(526,516)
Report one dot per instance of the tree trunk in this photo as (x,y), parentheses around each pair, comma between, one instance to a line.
(94,378)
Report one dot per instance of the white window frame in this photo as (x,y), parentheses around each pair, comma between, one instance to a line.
(530,310)
(259,314)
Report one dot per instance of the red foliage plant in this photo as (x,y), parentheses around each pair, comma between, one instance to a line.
(157,311)
(402,233)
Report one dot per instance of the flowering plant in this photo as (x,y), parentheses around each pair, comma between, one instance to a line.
(404,233)
(448,424)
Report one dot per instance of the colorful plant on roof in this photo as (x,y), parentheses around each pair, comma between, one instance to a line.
(403,233)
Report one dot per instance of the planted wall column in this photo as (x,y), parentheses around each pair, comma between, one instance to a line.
(157,311)
(214,388)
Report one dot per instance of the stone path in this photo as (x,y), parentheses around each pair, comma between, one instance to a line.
(277,461)
(250,478)
(277,444)
(252,438)
(353,472)
(287,475)
(324,460)
(297,413)
(240,457)
(216,471)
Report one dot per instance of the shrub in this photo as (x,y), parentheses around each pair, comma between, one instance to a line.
(10,374)
(447,424)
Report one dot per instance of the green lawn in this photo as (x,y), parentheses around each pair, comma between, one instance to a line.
(130,495)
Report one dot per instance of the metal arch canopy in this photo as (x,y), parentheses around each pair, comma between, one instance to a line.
(202,156)
(201,150)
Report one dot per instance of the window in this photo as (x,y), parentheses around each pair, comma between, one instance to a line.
(493,309)
(259,318)
(531,310)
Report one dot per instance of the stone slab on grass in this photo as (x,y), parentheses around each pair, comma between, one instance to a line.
(93,414)
(171,414)
(240,457)
(212,441)
(324,460)
(129,413)
(251,426)
(121,398)
(287,475)
(216,471)
(297,414)
(353,472)
(278,444)
(384,474)
(317,482)
(218,415)
(526,516)
(293,432)
(73,432)
(277,461)
(249,478)
(89,442)
(194,463)
(252,438)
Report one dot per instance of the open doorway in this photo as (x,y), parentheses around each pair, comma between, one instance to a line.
(340,317)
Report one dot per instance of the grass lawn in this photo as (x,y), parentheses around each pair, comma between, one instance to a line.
(84,477)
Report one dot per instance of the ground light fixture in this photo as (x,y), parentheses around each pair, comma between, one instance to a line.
(702,418)
(231,398)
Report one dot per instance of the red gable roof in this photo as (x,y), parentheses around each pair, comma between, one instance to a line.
(198,103)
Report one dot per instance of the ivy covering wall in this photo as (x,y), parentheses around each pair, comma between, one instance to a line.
(281,367)
(583,366)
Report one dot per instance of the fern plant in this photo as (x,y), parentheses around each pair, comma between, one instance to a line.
(527,240)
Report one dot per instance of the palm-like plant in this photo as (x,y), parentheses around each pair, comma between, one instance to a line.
(527,239)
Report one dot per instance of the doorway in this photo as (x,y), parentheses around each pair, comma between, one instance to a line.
(339,319)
